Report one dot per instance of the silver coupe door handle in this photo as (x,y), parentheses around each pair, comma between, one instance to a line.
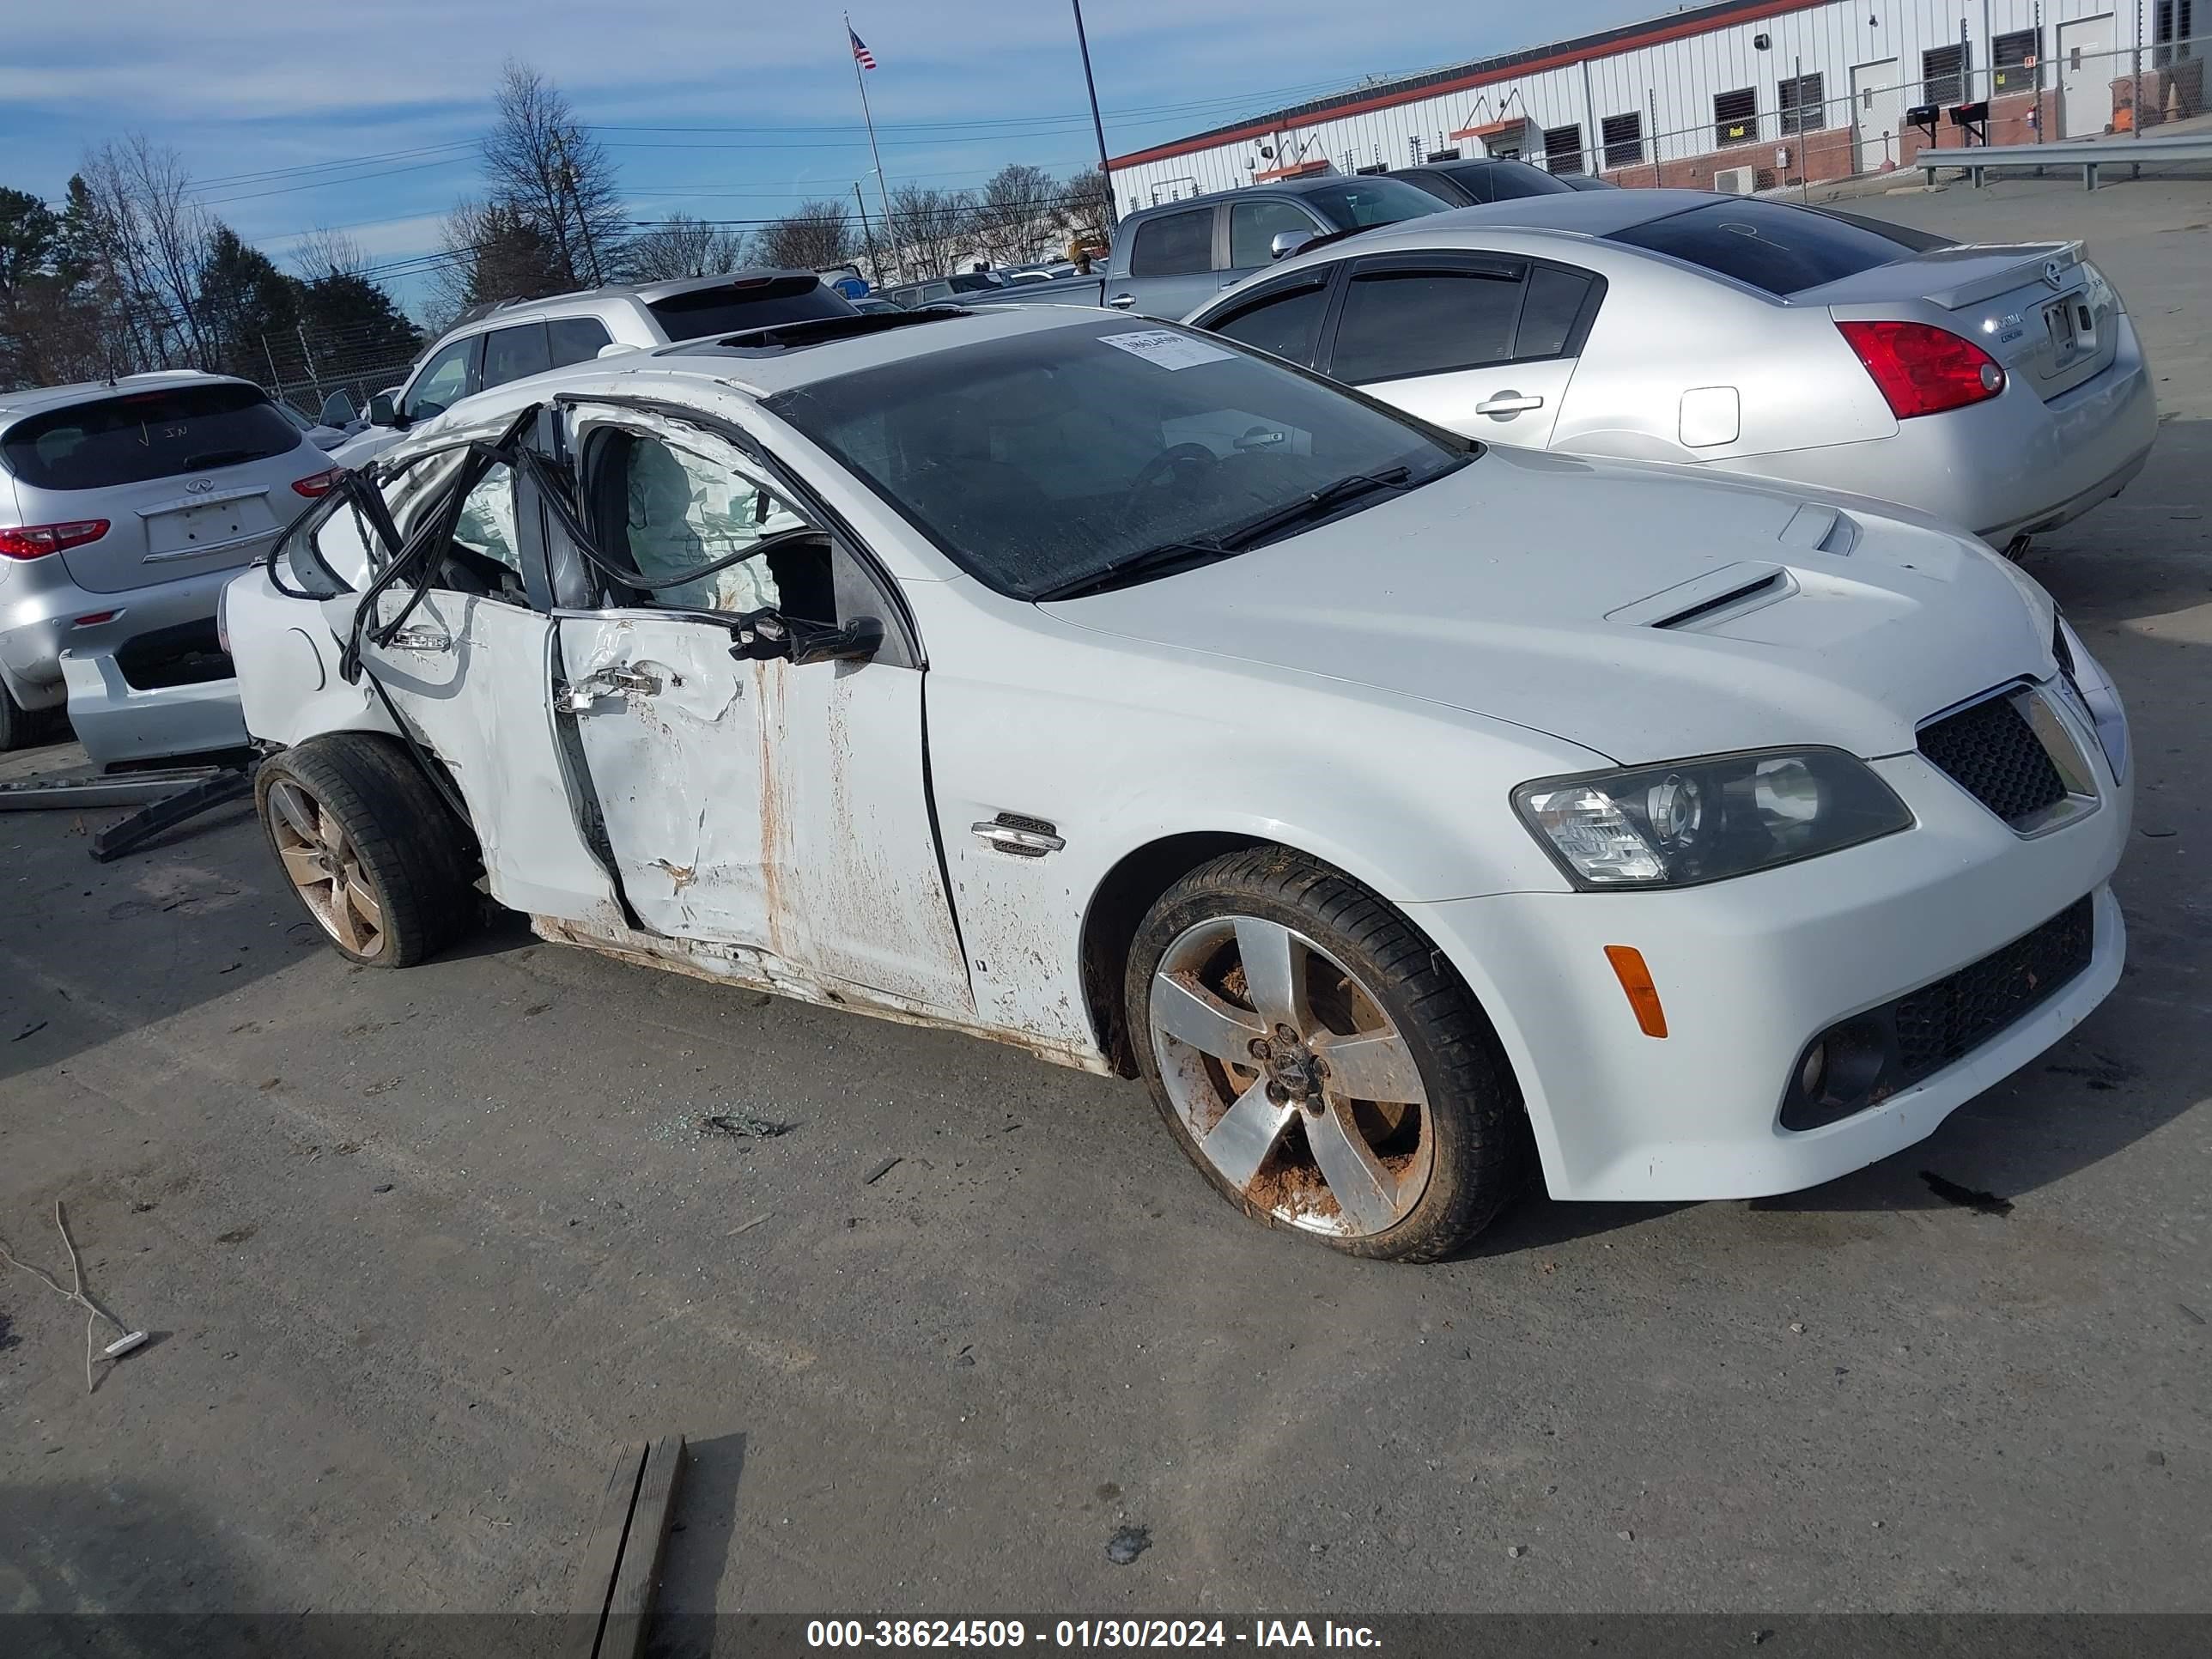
(1122,301)
(1507,403)
(422,639)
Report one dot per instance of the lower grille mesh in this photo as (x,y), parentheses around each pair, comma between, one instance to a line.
(1947,1021)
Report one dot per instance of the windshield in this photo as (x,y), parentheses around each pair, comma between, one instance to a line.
(1357,203)
(1038,459)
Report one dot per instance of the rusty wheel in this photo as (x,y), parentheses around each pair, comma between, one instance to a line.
(326,869)
(1292,1080)
(1319,1060)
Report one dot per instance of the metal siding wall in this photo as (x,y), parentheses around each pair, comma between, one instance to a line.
(1681,76)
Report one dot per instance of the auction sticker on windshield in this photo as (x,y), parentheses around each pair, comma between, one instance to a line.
(1167,348)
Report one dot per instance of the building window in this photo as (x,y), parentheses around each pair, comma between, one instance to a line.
(1943,76)
(1624,139)
(1804,104)
(1563,148)
(2014,56)
(1735,117)
(1450,154)
(2172,25)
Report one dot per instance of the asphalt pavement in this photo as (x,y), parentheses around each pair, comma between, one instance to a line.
(419,1249)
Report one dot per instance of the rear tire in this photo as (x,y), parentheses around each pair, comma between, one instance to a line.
(1319,1062)
(371,851)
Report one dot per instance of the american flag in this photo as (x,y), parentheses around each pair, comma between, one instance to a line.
(861,55)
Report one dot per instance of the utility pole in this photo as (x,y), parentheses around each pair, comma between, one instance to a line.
(868,236)
(568,180)
(1097,126)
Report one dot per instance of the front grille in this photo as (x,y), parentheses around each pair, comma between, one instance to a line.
(1869,1057)
(1992,753)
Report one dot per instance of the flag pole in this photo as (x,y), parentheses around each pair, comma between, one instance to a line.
(883,193)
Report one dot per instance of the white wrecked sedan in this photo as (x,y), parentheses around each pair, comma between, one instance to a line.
(1393,808)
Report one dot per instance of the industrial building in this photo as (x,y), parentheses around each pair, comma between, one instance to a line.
(1740,96)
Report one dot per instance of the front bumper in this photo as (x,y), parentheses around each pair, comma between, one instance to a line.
(1750,971)
(39,609)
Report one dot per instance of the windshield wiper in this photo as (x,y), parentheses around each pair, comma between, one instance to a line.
(1318,504)
(1160,561)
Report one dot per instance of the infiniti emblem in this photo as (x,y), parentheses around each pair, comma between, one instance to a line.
(200,486)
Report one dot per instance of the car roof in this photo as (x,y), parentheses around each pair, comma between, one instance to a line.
(736,362)
(30,400)
(1586,212)
(503,312)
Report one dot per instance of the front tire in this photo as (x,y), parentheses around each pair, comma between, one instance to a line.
(373,854)
(1318,1061)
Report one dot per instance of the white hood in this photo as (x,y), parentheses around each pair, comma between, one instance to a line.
(1511,589)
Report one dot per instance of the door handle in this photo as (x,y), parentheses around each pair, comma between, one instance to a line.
(577,697)
(1012,838)
(1507,403)
(421,639)
(1122,301)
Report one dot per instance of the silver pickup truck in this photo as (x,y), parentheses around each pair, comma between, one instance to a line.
(1169,260)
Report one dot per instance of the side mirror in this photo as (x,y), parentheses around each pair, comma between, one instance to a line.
(338,410)
(613,348)
(1288,242)
(769,636)
(381,411)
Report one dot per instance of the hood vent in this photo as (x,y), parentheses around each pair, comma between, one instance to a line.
(1731,591)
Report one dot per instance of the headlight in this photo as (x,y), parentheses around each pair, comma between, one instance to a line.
(2095,695)
(1707,820)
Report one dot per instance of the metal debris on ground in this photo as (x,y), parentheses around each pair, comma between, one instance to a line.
(1127,1544)
(743,1126)
(882,1169)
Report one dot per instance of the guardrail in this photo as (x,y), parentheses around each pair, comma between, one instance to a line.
(2089,156)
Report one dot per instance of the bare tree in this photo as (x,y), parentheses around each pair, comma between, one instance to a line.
(930,228)
(817,236)
(1014,217)
(145,243)
(492,251)
(541,164)
(1083,208)
(324,252)
(681,245)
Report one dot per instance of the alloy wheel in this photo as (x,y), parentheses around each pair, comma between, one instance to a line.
(1291,1079)
(324,865)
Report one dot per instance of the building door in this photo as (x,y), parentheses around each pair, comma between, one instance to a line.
(1874,115)
(2086,71)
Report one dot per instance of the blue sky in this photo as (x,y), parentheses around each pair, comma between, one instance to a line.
(296,114)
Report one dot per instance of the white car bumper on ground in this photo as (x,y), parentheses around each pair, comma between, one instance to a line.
(1751,971)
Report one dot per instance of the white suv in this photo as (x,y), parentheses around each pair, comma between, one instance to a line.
(528,337)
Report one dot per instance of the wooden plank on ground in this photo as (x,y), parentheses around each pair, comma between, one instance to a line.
(629,1602)
(603,1550)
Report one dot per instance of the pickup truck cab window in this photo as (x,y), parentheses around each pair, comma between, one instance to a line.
(1254,226)
(1174,244)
